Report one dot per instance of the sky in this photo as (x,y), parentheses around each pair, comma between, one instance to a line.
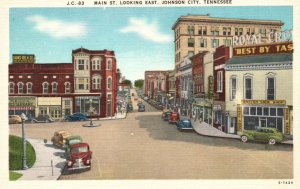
(142,38)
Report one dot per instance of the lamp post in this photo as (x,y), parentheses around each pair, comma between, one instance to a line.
(91,110)
(24,158)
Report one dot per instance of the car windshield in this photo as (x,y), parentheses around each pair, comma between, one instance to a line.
(75,141)
(186,122)
(79,149)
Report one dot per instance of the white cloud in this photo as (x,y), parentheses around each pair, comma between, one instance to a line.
(146,30)
(58,28)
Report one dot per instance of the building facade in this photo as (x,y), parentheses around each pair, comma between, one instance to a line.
(86,85)
(198,33)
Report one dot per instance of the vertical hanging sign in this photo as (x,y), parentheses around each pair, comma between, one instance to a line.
(239,118)
(286,121)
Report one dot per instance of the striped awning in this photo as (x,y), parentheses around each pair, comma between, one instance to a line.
(22,108)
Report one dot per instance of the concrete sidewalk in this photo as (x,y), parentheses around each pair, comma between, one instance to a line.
(42,169)
(207,130)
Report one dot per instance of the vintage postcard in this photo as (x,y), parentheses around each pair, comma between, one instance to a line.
(149,94)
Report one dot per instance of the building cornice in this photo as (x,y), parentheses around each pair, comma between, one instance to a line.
(260,66)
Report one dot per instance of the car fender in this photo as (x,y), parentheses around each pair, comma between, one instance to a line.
(249,136)
(277,139)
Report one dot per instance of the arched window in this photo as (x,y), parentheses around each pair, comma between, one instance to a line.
(11,88)
(45,88)
(20,88)
(29,88)
(96,82)
(54,87)
(109,83)
(109,64)
(67,87)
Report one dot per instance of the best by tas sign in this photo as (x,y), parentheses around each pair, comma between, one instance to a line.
(272,37)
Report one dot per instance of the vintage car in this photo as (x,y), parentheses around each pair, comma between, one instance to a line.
(166,114)
(139,102)
(174,117)
(265,134)
(80,157)
(59,138)
(129,107)
(76,117)
(14,119)
(69,142)
(141,108)
(184,124)
(42,119)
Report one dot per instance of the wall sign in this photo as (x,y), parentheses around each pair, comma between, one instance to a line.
(23,58)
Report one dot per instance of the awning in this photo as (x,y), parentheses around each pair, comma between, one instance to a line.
(22,108)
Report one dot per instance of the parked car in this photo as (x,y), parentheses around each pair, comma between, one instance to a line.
(42,119)
(75,139)
(59,138)
(184,124)
(265,134)
(14,119)
(159,106)
(76,117)
(141,108)
(80,157)
(166,114)
(129,107)
(139,102)
(174,117)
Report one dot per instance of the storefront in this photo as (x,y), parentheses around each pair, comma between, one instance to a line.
(86,104)
(264,113)
(19,105)
(219,116)
(202,110)
(49,106)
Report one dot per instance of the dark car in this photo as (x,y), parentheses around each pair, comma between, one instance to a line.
(42,119)
(141,108)
(265,134)
(174,117)
(129,107)
(77,117)
(166,114)
(184,124)
(80,157)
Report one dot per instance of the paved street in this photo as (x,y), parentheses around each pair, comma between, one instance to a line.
(143,146)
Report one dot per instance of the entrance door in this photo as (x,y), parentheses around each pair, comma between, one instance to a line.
(262,122)
(232,125)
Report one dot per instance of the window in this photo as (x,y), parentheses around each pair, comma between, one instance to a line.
(29,88)
(80,64)
(11,88)
(45,88)
(54,87)
(109,83)
(191,30)
(227,42)
(96,64)
(248,88)
(96,82)
(109,64)
(67,87)
(233,88)
(214,31)
(202,30)
(240,31)
(226,31)
(20,88)
(270,88)
(80,83)
(214,43)
(191,42)
(219,81)
(190,54)
(202,43)
(218,117)
(263,32)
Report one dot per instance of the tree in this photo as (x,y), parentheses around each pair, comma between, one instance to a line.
(126,81)
(139,83)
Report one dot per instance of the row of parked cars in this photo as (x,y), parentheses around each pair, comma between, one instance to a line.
(182,123)
(77,153)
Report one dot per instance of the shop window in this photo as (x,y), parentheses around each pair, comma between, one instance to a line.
(272,111)
(29,88)
(259,110)
(266,111)
(11,88)
(250,122)
(67,87)
(248,88)
(270,88)
(45,88)
(252,110)
(279,111)
(246,111)
(218,117)
(20,88)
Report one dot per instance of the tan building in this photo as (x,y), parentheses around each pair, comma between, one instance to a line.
(197,33)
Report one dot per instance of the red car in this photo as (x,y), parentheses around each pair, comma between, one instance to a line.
(80,157)
(174,117)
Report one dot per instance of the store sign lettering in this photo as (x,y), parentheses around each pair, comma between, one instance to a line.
(19,102)
(283,102)
(272,37)
(23,58)
(265,49)
(239,119)
(287,121)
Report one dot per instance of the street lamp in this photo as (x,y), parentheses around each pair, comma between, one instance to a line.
(24,158)
(91,110)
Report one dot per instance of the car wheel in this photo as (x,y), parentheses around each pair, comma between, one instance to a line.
(272,141)
(244,138)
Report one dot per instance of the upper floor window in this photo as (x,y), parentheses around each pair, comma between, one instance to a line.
(82,83)
(191,30)
(191,42)
(54,87)
(96,82)
(226,31)
(45,88)
(248,87)
(20,88)
(80,64)
(263,32)
(238,31)
(214,31)
(29,88)
(67,87)
(109,83)
(11,88)
(214,43)
(203,43)
(96,64)
(109,64)
(219,81)
(202,30)
(233,88)
(270,88)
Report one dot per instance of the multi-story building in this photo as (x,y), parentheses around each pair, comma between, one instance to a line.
(171,93)
(198,33)
(186,87)
(87,84)
(259,90)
